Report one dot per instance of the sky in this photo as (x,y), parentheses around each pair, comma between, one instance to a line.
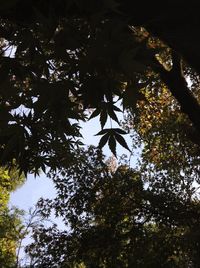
(35,187)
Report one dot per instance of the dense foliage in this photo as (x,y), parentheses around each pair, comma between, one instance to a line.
(10,218)
(59,58)
(117,216)
(67,61)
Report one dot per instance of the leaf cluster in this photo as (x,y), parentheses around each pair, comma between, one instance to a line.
(10,218)
(114,220)
(56,62)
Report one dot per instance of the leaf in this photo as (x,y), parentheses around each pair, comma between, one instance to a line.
(103,131)
(103,118)
(112,145)
(131,96)
(43,167)
(10,146)
(120,131)
(112,4)
(8,4)
(128,61)
(112,114)
(115,108)
(5,115)
(122,141)
(103,140)
(95,113)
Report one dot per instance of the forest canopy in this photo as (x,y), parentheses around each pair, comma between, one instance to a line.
(65,62)
(61,58)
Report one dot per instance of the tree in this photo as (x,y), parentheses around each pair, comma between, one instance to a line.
(84,55)
(10,219)
(125,217)
(61,59)
(115,219)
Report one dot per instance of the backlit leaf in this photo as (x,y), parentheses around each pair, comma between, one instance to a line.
(113,115)
(112,145)
(103,118)
(122,141)
(95,113)
(103,140)
(103,131)
(120,131)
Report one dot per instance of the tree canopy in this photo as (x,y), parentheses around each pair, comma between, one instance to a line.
(117,216)
(10,218)
(61,58)
(67,61)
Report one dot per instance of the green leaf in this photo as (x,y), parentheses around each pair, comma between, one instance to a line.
(112,145)
(122,141)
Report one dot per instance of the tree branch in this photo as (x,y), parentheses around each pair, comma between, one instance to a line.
(177,85)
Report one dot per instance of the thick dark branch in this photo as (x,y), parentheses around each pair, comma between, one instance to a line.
(176,83)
